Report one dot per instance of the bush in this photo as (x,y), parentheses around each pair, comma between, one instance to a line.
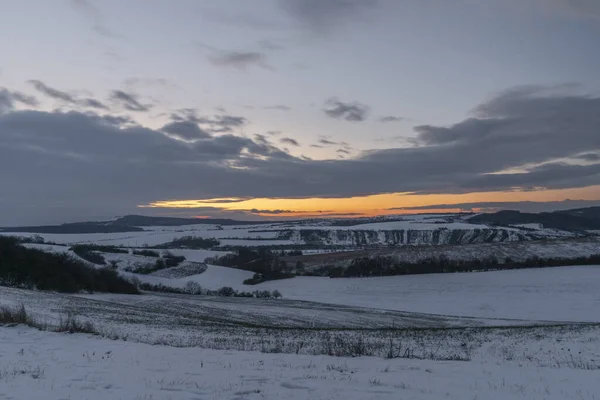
(172,260)
(31,268)
(190,242)
(72,325)
(88,254)
(195,289)
(16,316)
(271,276)
(265,264)
(100,248)
(146,253)
(150,268)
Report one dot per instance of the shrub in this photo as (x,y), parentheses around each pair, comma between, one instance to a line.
(265,264)
(72,325)
(15,316)
(146,253)
(150,268)
(91,256)
(172,260)
(195,289)
(190,242)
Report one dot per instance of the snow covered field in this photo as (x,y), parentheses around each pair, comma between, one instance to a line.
(553,294)
(546,294)
(41,366)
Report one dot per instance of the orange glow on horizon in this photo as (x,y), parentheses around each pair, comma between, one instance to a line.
(373,205)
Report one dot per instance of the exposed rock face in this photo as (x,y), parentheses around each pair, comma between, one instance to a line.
(441,236)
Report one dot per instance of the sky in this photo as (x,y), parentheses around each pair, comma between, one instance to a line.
(296,108)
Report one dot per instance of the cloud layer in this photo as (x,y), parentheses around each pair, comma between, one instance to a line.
(71,162)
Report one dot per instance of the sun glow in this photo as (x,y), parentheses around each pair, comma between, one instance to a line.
(379,204)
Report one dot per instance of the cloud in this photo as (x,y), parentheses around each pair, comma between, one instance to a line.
(290,141)
(80,164)
(51,92)
(588,156)
(66,97)
(91,12)
(324,16)
(353,112)
(9,98)
(342,151)
(390,118)
(280,107)
(93,103)
(220,123)
(272,212)
(186,130)
(326,142)
(129,101)
(240,60)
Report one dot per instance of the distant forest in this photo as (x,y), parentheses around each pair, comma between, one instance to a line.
(388,266)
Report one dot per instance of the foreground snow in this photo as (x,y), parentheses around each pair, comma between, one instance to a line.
(42,365)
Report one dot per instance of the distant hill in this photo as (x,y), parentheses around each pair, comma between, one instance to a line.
(142,220)
(568,220)
(73,228)
(128,223)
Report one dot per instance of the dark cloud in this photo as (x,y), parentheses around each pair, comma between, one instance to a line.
(272,212)
(239,59)
(9,98)
(221,123)
(290,141)
(186,130)
(390,118)
(128,101)
(323,16)
(326,142)
(116,120)
(342,151)
(92,13)
(353,112)
(93,103)
(229,121)
(51,92)
(67,97)
(588,157)
(80,164)
(280,107)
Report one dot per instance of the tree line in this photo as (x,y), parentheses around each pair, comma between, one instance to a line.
(388,265)
(266,264)
(34,269)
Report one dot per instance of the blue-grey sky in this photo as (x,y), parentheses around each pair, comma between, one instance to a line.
(316,79)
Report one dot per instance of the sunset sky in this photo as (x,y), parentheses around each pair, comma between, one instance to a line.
(296,108)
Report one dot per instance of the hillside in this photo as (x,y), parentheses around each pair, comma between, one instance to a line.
(569,220)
